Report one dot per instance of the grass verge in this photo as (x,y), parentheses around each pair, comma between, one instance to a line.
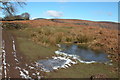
(83,71)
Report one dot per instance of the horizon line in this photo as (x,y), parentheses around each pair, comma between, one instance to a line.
(80,19)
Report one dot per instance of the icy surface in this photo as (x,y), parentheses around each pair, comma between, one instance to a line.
(71,54)
(83,55)
(55,63)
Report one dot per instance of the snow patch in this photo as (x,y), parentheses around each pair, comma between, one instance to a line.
(14,45)
(73,57)
(17,68)
(31,67)
(33,74)
(16,60)
(23,75)
(26,71)
(4,63)
(55,63)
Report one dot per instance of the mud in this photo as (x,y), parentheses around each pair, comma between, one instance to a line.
(14,63)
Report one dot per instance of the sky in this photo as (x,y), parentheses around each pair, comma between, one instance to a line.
(94,11)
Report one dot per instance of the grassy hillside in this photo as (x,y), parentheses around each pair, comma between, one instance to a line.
(37,39)
(53,31)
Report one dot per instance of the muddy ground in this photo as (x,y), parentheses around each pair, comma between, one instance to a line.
(15,65)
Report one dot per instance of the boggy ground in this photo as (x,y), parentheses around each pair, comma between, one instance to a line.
(95,35)
(15,64)
(38,39)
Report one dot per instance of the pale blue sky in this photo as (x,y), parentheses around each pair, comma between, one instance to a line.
(95,11)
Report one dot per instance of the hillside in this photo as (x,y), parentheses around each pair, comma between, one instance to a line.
(36,40)
(70,22)
(104,33)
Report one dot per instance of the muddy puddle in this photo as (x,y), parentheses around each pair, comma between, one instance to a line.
(84,54)
(68,55)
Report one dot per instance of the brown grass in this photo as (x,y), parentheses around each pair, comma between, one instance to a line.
(47,32)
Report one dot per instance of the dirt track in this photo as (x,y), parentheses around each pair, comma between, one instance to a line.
(14,64)
(9,58)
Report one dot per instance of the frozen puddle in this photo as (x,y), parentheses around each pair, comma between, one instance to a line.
(55,63)
(83,55)
(72,54)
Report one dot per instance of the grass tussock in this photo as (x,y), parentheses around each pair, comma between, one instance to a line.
(11,25)
(55,35)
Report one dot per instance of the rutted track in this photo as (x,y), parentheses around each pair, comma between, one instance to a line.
(14,63)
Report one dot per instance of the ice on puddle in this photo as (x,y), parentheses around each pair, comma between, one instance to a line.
(55,63)
(74,57)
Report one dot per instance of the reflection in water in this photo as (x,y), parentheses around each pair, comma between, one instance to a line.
(85,54)
(71,54)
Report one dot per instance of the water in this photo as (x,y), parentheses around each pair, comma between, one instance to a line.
(51,63)
(75,53)
(55,63)
(85,54)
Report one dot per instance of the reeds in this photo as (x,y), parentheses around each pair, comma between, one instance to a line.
(55,35)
